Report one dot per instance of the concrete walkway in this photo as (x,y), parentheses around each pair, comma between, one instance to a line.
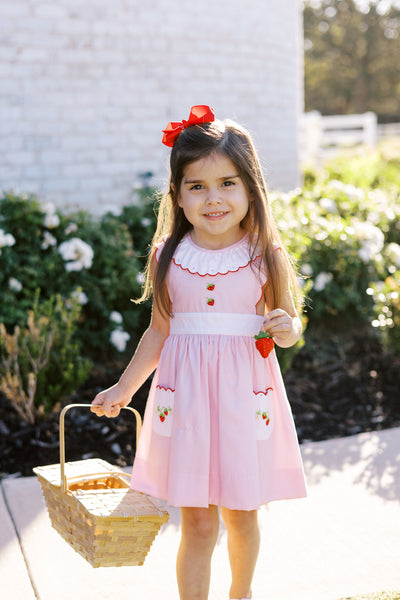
(344,539)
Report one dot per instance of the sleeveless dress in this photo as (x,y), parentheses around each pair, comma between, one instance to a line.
(218,428)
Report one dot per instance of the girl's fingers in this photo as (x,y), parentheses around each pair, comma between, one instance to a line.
(110,409)
(274,315)
(277,324)
(280,328)
(97,408)
(115,411)
(108,403)
(278,312)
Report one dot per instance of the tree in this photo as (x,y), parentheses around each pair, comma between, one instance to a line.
(352,52)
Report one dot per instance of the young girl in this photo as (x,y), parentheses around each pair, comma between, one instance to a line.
(218,429)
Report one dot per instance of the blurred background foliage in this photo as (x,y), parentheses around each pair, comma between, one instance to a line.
(67,280)
(351,57)
(75,274)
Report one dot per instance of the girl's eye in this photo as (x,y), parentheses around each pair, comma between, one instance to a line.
(228,183)
(197,186)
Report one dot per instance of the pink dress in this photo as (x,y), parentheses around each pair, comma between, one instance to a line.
(218,428)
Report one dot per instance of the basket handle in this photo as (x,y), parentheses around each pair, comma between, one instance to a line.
(62,436)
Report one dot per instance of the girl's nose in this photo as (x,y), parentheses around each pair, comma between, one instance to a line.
(213,197)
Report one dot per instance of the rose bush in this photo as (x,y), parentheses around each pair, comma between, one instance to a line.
(59,253)
(92,261)
(343,231)
(346,239)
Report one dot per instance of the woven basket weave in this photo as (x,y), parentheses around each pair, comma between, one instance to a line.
(92,506)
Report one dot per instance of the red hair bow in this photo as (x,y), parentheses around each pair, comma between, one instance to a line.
(198,115)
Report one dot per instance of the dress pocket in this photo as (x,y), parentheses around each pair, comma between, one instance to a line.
(163,410)
(264,413)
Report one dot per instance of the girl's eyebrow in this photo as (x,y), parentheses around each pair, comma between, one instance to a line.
(224,178)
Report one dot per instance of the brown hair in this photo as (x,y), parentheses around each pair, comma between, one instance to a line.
(233,141)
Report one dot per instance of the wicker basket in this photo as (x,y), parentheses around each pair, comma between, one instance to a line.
(92,506)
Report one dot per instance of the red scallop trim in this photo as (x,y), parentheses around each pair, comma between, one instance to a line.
(215,274)
(266,391)
(262,295)
(166,389)
(160,247)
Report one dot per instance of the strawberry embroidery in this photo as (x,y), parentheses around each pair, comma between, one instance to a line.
(210,301)
(163,412)
(264,343)
(211,287)
(264,416)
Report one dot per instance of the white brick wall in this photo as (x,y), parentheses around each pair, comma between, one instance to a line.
(87,87)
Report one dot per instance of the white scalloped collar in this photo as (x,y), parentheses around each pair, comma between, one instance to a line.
(195,259)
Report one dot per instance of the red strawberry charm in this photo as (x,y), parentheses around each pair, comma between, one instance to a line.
(264,343)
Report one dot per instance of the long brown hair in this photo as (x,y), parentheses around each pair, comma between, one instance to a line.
(232,140)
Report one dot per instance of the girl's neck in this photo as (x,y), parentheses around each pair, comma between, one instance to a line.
(219,243)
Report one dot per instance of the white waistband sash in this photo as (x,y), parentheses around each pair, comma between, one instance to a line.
(215,324)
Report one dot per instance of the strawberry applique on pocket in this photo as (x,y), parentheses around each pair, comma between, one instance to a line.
(164,410)
(264,411)
(264,416)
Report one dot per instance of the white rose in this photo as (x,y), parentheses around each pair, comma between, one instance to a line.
(306,270)
(48,241)
(14,284)
(371,240)
(119,339)
(328,205)
(77,254)
(393,252)
(140,278)
(321,281)
(51,221)
(71,228)
(6,239)
(81,297)
(116,317)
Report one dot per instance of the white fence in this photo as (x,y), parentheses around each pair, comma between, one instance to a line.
(389,130)
(320,137)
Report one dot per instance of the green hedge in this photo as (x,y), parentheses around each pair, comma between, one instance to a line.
(344,237)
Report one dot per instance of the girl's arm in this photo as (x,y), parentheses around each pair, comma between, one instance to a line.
(284,323)
(110,401)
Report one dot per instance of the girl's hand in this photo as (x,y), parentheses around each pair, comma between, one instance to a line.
(285,329)
(109,402)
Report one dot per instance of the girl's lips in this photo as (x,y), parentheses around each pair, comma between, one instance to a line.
(215,215)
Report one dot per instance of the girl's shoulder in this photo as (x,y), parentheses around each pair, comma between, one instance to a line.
(159,246)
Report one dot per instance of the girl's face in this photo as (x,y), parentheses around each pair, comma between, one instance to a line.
(215,201)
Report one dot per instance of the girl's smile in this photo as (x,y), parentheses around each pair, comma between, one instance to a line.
(215,201)
(215,216)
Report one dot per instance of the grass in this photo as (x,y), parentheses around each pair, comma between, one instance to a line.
(388,595)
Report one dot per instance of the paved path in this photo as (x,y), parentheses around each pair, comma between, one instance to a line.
(342,540)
